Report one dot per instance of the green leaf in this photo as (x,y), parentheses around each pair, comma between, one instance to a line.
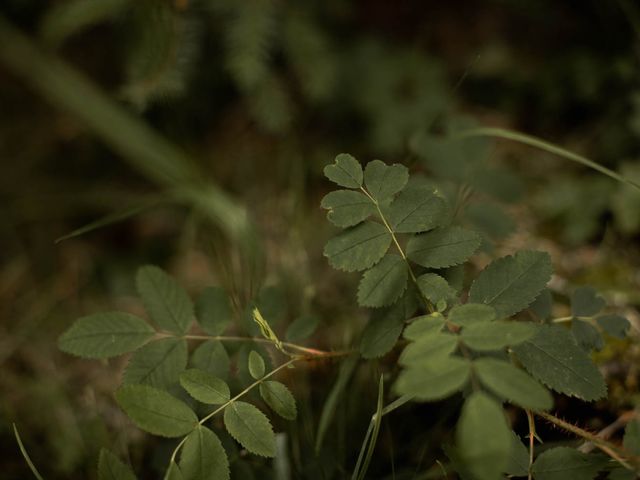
(173,472)
(302,327)
(443,247)
(587,336)
(512,384)
(553,357)
(518,465)
(441,377)
(511,283)
(251,428)
(615,325)
(155,411)
(435,288)
(489,336)
(167,303)
(346,171)
(105,335)
(542,305)
(424,326)
(203,457)
(417,209)
(211,357)
(213,310)
(111,467)
(383,284)
(347,208)
(631,440)
(204,387)
(427,348)
(483,437)
(471,313)
(383,181)
(561,463)
(279,398)
(359,247)
(585,302)
(256,365)
(382,331)
(158,363)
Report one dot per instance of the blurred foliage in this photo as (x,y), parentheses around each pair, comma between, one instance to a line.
(167,120)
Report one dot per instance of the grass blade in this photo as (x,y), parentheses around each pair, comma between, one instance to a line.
(329,409)
(547,147)
(23,450)
(373,432)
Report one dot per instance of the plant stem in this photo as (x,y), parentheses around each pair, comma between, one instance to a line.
(240,395)
(532,434)
(223,338)
(607,447)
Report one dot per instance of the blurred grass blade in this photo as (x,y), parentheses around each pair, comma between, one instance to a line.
(329,408)
(143,148)
(33,468)
(373,431)
(67,18)
(546,146)
(110,219)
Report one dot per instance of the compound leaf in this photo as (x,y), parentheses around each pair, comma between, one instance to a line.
(346,171)
(615,325)
(483,437)
(587,336)
(167,303)
(383,181)
(383,284)
(470,313)
(279,398)
(382,331)
(440,377)
(488,336)
(104,335)
(511,283)
(111,467)
(518,457)
(512,384)
(155,411)
(585,302)
(213,310)
(417,209)
(256,365)
(203,457)
(251,428)
(443,247)
(302,327)
(211,357)
(428,347)
(359,247)
(347,207)
(158,363)
(205,387)
(553,357)
(561,463)
(435,288)
(173,472)
(424,326)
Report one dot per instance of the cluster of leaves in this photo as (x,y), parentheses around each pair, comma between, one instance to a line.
(478,347)
(163,386)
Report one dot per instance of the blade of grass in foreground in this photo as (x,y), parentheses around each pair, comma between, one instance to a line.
(23,450)
(137,143)
(547,147)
